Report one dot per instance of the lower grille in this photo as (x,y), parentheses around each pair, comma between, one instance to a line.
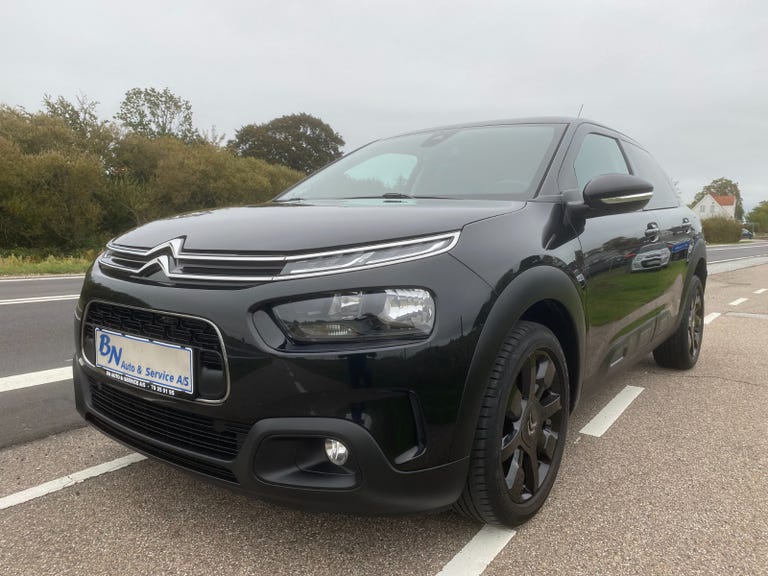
(206,436)
(193,464)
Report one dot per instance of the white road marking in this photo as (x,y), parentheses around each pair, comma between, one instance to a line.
(478,552)
(761,290)
(38,278)
(735,246)
(738,301)
(711,316)
(608,415)
(18,381)
(734,259)
(748,315)
(39,299)
(69,480)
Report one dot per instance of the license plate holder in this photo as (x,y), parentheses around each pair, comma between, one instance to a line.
(161,367)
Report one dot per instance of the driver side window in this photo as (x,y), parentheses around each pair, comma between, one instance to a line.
(598,155)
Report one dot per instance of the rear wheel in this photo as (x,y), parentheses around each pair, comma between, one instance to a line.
(681,350)
(521,430)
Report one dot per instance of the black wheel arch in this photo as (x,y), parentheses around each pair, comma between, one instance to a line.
(697,265)
(543,294)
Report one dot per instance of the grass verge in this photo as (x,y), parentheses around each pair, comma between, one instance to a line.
(30,265)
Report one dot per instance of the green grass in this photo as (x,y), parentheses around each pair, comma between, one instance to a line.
(13,264)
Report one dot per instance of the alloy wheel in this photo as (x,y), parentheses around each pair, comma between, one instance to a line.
(532,425)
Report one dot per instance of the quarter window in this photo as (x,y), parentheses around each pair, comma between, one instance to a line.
(664,193)
(598,155)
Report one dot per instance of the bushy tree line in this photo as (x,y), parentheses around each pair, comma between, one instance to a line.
(70,180)
(759,217)
(721,230)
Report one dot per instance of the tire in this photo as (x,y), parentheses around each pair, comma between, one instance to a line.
(681,350)
(521,429)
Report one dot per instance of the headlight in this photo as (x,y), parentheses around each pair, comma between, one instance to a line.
(354,316)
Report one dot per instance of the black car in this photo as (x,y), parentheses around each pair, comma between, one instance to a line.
(407,329)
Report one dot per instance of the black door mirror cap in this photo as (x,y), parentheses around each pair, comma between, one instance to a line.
(617,193)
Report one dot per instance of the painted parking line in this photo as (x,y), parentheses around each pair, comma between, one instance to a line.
(39,299)
(69,480)
(761,290)
(18,381)
(608,415)
(478,552)
(738,301)
(710,317)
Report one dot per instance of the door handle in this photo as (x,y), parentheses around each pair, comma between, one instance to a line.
(652,232)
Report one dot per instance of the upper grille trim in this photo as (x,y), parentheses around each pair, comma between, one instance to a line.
(171,257)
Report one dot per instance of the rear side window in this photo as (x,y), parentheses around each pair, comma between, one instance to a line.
(598,155)
(664,195)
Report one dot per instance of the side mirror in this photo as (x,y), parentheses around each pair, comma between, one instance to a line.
(617,193)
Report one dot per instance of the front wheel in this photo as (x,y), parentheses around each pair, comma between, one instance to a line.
(521,430)
(681,350)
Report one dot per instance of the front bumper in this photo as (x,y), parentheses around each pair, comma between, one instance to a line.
(280,459)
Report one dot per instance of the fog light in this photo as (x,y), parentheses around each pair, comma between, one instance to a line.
(336,451)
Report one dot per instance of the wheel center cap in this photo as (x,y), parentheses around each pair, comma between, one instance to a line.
(531,425)
(530,428)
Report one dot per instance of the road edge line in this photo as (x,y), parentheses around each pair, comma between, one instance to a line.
(19,381)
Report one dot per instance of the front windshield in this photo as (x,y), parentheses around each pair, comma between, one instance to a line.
(504,162)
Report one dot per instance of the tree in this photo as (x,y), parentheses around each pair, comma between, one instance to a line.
(299,141)
(722,187)
(93,135)
(759,216)
(161,176)
(151,113)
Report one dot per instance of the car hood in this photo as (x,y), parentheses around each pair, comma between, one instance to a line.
(283,228)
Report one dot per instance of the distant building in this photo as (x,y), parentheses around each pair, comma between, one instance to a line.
(712,205)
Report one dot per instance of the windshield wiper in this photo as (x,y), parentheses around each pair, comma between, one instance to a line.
(386,195)
(395,195)
(282,200)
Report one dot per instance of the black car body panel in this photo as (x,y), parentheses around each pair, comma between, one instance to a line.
(290,228)
(406,408)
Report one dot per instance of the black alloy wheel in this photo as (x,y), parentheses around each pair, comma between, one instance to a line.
(532,426)
(521,430)
(695,324)
(682,349)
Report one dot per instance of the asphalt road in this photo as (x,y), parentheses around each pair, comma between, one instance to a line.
(36,336)
(676,485)
(17,288)
(722,253)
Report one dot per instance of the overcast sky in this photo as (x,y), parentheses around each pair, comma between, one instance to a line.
(687,79)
